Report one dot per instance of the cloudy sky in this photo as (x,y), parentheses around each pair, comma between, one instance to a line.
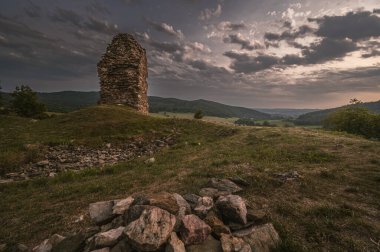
(253,53)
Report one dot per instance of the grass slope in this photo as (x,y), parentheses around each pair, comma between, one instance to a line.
(317,117)
(333,207)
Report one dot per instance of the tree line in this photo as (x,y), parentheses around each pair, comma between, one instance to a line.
(24,103)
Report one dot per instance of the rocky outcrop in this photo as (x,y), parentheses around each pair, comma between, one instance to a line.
(62,158)
(172,223)
(123,72)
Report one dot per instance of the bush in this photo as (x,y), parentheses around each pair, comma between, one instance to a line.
(198,114)
(354,120)
(245,121)
(266,124)
(25,102)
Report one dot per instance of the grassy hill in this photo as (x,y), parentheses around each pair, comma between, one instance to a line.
(317,117)
(334,206)
(67,101)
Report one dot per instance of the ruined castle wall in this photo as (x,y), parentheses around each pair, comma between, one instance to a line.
(123,73)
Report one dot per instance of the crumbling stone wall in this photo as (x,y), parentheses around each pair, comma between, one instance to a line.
(123,72)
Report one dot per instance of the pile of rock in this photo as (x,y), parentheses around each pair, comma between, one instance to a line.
(214,220)
(65,158)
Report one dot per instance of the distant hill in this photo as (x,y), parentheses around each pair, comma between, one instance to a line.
(317,117)
(158,104)
(68,101)
(286,112)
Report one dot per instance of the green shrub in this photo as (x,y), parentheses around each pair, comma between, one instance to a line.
(198,114)
(354,120)
(245,121)
(25,103)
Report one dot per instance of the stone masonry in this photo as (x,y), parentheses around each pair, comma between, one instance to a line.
(123,72)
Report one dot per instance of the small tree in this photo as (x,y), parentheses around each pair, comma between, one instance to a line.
(354,120)
(198,114)
(25,102)
(266,123)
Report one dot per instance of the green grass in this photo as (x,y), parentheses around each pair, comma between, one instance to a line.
(319,211)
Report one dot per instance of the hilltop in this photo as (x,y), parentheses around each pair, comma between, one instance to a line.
(210,108)
(317,117)
(332,204)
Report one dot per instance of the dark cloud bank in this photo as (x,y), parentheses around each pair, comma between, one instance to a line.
(70,41)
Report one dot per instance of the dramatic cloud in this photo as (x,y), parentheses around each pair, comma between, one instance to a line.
(290,34)
(243,63)
(168,29)
(229,26)
(319,51)
(353,25)
(243,42)
(207,14)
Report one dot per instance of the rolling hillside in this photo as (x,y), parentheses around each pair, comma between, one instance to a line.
(68,101)
(317,117)
(158,104)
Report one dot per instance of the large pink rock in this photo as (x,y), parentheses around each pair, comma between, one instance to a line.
(151,230)
(233,208)
(234,244)
(194,230)
(260,238)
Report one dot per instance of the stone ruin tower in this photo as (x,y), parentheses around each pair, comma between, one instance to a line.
(123,72)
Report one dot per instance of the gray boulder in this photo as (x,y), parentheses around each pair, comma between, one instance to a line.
(101,212)
(225,185)
(109,238)
(233,208)
(260,238)
(121,206)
